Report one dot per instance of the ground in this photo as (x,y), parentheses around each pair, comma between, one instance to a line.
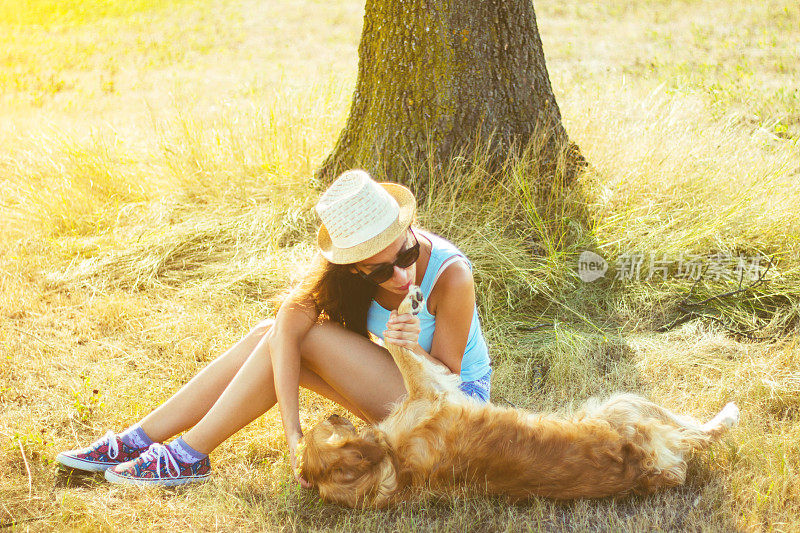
(155,197)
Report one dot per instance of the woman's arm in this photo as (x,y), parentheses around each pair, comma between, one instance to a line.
(453,302)
(294,319)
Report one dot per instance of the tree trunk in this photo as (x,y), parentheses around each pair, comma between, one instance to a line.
(438,77)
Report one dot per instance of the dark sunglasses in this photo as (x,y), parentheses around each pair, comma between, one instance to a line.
(384,271)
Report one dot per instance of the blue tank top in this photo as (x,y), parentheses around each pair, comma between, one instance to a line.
(475,362)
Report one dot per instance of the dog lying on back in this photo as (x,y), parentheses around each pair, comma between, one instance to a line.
(439,438)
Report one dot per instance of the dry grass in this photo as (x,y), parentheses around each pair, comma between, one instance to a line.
(154,195)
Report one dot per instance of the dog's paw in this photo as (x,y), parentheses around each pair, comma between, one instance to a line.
(729,416)
(725,419)
(413,301)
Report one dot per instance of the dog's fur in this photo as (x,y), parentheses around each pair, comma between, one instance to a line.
(439,438)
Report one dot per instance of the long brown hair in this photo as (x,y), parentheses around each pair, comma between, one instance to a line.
(339,295)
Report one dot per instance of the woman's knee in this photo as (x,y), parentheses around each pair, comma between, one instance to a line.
(262,328)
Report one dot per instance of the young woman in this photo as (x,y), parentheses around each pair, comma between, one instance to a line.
(369,254)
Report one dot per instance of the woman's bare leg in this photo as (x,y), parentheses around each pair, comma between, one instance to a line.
(187,406)
(356,368)
(336,363)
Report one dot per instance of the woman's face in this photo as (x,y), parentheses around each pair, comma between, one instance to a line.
(402,278)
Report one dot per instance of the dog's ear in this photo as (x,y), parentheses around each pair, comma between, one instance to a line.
(370,451)
(354,476)
(355,463)
(361,454)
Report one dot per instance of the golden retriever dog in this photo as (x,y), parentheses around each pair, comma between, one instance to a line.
(438,438)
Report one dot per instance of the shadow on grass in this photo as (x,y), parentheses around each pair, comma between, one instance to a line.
(71,478)
(685,508)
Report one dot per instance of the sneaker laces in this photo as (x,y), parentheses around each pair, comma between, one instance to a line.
(110,438)
(160,452)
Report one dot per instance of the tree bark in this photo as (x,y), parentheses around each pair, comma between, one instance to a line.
(439,78)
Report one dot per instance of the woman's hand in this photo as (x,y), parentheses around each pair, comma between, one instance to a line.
(294,442)
(402,330)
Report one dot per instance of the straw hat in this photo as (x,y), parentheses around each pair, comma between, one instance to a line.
(361,217)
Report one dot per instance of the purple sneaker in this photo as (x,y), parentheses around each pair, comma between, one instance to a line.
(104,453)
(158,466)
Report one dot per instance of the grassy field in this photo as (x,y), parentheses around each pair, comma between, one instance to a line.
(154,196)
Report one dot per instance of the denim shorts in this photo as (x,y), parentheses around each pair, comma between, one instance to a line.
(478,389)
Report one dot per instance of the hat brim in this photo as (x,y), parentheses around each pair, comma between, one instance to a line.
(342,256)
